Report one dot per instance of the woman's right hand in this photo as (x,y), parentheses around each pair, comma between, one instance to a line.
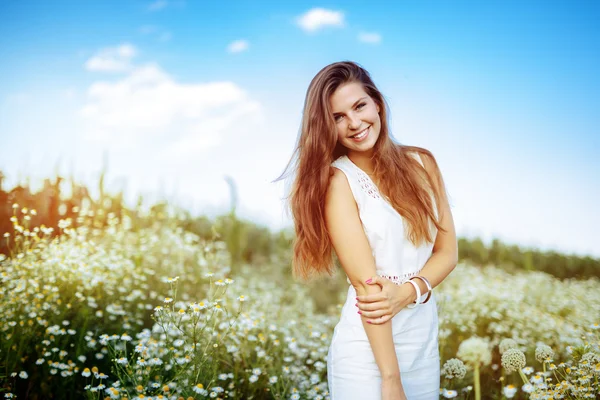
(381,307)
(391,389)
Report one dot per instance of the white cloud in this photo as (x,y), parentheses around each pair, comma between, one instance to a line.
(369,37)
(238,46)
(112,59)
(317,18)
(149,105)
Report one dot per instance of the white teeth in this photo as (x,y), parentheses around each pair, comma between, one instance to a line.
(360,136)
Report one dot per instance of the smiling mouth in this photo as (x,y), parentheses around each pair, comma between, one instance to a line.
(361,133)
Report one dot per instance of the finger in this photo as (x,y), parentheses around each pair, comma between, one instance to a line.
(367,306)
(380,305)
(370,298)
(380,320)
(374,280)
(380,280)
(374,314)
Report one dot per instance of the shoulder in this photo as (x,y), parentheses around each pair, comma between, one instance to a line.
(338,183)
(339,195)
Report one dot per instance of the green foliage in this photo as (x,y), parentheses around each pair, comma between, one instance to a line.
(80,296)
(515,258)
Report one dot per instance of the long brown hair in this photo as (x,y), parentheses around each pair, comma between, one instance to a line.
(400,177)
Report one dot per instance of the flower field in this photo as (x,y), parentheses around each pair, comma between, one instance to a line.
(156,312)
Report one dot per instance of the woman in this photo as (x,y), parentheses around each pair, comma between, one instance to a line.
(383,208)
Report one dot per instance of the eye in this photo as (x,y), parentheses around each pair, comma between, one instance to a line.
(337,118)
(361,105)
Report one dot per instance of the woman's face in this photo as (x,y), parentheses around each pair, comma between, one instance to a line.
(356,117)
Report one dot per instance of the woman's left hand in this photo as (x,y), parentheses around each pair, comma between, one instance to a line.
(380,307)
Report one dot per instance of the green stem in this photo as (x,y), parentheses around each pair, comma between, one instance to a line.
(523,377)
(476,383)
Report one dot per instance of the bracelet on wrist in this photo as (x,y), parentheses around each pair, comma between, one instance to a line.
(429,288)
(418,290)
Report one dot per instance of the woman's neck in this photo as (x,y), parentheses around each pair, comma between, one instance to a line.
(363,161)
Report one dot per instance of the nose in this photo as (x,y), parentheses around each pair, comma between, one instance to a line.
(353,121)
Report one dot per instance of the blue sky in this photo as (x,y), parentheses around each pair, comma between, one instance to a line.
(180,93)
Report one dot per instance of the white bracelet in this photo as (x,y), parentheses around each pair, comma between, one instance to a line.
(429,288)
(418,300)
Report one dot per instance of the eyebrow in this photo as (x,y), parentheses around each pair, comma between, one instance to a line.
(353,105)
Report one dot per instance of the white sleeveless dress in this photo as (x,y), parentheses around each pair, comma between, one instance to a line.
(352,372)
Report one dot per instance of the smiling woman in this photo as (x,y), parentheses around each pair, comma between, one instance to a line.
(383,209)
(356,122)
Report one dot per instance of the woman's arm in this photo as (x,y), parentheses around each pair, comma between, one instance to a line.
(381,307)
(354,252)
(444,255)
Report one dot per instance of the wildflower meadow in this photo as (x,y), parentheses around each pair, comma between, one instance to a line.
(139,307)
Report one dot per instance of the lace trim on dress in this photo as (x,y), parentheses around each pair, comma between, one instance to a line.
(399,279)
(366,184)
